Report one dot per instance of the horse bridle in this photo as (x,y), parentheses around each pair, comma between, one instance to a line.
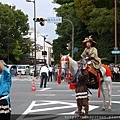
(67,60)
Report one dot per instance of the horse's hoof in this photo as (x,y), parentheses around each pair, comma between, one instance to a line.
(76,112)
(109,108)
(103,109)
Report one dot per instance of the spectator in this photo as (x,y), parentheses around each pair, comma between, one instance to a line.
(44,75)
(50,73)
(5,85)
(116,72)
(55,72)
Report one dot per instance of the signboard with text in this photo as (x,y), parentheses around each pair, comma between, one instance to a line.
(54,19)
(115,51)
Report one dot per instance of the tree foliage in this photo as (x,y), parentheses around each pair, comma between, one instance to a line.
(61,2)
(90,17)
(14,24)
(64,30)
(17,52)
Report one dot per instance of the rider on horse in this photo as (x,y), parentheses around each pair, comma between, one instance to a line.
(90,54)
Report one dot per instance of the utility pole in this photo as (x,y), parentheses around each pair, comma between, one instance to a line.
(72,36)
(34,32)
(115,48)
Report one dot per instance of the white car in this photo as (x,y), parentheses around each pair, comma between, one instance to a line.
(23,69)
(32,70)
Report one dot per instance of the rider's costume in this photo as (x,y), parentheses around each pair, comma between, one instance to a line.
(90,54)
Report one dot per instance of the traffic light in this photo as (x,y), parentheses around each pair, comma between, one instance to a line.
(40,20)
(44,52)
(69,46)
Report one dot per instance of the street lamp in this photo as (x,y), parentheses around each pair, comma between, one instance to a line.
(34,33)
(72,35)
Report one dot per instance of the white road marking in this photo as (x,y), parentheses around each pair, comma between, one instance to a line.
(20,79)
(91,107)
(27,111)
(29,108)
(118,102)
(60,90)
(45,95)
(44,89)
(115,95)
(65,105)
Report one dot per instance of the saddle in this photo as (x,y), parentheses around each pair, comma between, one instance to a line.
(94,77)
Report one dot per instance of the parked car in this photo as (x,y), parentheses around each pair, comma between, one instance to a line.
(23,69)
(32,70)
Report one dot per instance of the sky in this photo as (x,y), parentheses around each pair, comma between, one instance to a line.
(44,9)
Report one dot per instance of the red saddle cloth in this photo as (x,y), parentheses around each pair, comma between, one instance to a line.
(108,70)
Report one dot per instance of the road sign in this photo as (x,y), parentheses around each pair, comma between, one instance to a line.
(54,19)
(75,49)
(115,51)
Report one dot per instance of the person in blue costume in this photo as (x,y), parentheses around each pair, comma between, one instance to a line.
(5,85)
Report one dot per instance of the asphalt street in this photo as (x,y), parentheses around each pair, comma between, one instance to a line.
(54,102)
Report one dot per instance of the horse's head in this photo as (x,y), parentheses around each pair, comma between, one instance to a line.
(64,61)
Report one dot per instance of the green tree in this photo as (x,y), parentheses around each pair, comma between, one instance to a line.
(17,52)
(61,2)
(98,15)
(90,17)
(14,24)
(64,30)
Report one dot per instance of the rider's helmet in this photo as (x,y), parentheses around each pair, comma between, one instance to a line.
(89,39)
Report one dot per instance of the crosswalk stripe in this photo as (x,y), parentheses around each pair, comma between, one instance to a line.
(44,89)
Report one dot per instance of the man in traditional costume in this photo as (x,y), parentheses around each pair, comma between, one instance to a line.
(81,89)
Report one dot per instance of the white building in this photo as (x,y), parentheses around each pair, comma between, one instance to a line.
(41,45)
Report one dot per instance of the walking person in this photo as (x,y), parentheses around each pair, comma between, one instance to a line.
(50,73)
(5,85)
(44,75)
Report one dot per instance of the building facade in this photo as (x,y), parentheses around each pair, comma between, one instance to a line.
(41,46)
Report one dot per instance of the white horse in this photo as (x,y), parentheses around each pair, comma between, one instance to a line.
(67,62)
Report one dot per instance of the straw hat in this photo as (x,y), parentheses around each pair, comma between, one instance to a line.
(89,39)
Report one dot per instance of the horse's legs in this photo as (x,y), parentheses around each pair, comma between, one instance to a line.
(103,93)
(109,87)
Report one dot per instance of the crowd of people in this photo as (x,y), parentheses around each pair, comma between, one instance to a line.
(115,69)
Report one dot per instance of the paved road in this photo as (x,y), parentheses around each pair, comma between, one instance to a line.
(53,101)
